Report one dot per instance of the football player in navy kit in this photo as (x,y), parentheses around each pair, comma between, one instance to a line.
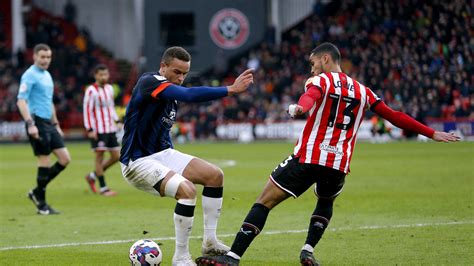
(150,163)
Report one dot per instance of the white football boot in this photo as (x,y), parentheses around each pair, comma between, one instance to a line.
(214,248)
(185,260)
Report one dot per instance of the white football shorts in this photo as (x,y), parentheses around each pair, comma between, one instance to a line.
(145,172)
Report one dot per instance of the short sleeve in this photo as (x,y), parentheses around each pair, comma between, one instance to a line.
(153,85)
(372,99)
(318,82)
(26,84)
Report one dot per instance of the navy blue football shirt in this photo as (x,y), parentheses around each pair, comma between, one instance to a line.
(151,113)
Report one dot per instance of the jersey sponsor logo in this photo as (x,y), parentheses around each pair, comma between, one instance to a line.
(229,28)
(331,149)
(170,119)
(173,115)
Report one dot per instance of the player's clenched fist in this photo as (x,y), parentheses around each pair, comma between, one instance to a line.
(295,110)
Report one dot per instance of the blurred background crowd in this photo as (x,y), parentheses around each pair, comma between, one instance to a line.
(416,55)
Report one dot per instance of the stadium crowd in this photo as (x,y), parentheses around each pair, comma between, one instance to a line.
(416,55)
(74,57)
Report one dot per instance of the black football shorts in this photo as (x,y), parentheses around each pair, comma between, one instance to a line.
(105,142)
(295,178)
(49,137)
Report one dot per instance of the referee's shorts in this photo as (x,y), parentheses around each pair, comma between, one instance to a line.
(49,137)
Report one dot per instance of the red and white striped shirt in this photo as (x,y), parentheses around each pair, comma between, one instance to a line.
(329,135)
(99,109)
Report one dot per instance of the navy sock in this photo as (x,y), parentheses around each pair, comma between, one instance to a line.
(252,226)
(319,221)
(101,179)
(55,170)
(213,192)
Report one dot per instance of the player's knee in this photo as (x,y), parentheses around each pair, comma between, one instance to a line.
(64,160)
(186,190)
(216,178)
(115,156)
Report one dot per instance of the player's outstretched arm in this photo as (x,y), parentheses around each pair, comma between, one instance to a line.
(242,82)
(404,121)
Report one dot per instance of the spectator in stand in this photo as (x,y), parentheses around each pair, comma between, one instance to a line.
(70,12)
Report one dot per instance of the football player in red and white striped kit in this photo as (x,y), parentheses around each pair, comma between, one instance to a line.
(336,104)
(100,121)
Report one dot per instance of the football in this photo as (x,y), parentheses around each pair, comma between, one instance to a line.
(145,252)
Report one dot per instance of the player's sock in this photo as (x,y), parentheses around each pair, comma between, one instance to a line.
(252,226)
(183,224)
(42,182)
(319,221)
(101,179)
(211,208)
(55,170)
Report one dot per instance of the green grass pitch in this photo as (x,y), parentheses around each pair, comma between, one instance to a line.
(404,203)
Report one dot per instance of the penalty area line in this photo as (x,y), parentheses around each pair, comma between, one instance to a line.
(278,232)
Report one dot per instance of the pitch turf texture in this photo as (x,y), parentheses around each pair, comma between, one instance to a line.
(404,203)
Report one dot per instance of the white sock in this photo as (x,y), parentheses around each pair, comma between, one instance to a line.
(308,248)
(183,226)
(211,208)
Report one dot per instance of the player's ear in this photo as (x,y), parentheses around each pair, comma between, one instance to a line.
(325,59)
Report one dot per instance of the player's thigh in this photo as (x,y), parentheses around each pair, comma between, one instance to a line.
(114,154)
(202,172)
(330,182)
(292,176)
(63,155)
(272,195)
(173,159)
(146,174)
(99,155)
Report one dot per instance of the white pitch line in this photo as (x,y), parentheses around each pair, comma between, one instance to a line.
(226,163)
(366,227)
